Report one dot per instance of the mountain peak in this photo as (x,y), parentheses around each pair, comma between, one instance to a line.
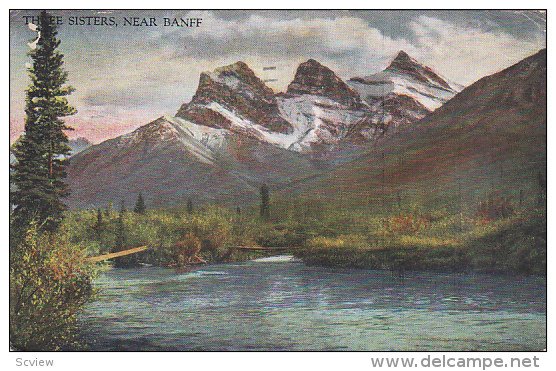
(402,55)
(239,67)
(237,91)
(403,61)
(314,62)
(314,78)
(409,66)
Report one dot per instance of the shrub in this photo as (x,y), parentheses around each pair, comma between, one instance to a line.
(186,248)
(281,235)
(406,224)
(494,208)
(49,283)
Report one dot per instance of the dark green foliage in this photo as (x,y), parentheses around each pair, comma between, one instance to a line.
(518,246)
(120,231)
(99,224)
(422,239)
(42,150)
(122,243)
(281,235)
(189,206)
(108,210)
(495,207)
(140,207)
(265,202)
(515,245)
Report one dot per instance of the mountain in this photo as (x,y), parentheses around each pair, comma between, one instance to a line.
(231,94)
(491,137)
(234,135)
(318,108)
(313,78)
(79,144)
(171,159)
(404,92)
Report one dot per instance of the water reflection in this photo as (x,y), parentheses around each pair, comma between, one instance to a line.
(281,304)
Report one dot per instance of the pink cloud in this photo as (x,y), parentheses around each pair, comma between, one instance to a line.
(95,123)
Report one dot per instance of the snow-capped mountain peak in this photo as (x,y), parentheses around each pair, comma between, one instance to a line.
(318,107)
(314,78)
(405,91)
(406,65)
(236,88)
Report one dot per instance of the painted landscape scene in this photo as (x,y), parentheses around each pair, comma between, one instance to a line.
(288,180)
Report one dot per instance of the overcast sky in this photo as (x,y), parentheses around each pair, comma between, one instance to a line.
(127,76)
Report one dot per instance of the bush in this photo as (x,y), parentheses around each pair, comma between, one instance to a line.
(494,208)
(185,249)
(49,283)
(406,224)
(281,235)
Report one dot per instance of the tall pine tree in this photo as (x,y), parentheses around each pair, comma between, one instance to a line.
(42,150)
(99,224)
(140,207)
(120,230)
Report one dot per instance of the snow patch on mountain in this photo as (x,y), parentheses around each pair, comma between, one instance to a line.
(210,137)
(242,125)
(406,76)
(317,119)
(381,84)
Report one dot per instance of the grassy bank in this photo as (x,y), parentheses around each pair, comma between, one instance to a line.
(495,236)
(513,245)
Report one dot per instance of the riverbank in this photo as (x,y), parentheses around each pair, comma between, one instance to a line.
(502,239)
(515,246)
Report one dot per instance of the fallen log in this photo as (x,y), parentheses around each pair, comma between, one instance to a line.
(99,258)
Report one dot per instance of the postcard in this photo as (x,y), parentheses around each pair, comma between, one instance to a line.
(278,180)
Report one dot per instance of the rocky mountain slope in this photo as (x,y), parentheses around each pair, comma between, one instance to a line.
(318,109)
(406,91)
(170,160)
(491,137)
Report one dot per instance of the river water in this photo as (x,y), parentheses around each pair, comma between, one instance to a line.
(280,304)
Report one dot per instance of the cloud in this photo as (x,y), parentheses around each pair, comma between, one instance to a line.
(127,75)
(347,43)
(352,46)
(466,54)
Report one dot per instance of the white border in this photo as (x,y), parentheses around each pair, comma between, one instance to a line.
(241,361)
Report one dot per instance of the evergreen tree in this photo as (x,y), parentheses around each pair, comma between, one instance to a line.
(98,224)
(140,207)
(108,210)
(120,230)
(42,150)
(189,206)
(265,202)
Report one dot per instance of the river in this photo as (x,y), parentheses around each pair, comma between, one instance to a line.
(278,303)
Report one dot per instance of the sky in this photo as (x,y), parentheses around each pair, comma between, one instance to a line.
(127,76)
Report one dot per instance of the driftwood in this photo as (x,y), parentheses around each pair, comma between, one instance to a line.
(96,259)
